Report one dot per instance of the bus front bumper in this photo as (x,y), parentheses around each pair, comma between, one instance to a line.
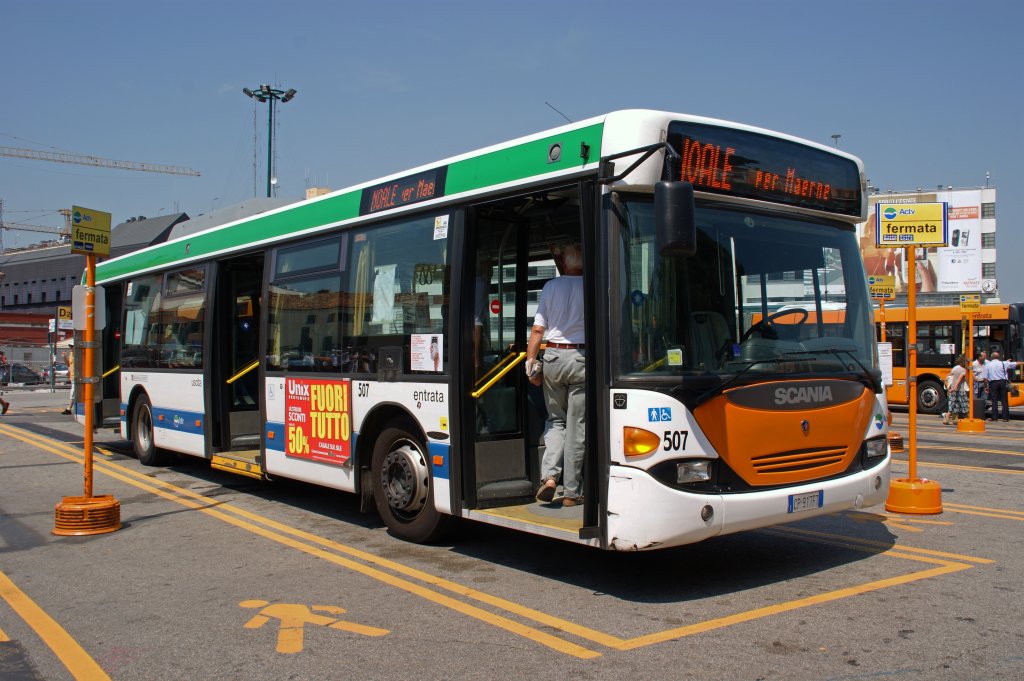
(645,514)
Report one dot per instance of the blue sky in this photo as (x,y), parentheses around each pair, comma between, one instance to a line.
(925,93)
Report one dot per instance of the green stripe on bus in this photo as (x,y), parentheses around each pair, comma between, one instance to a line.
(511,164)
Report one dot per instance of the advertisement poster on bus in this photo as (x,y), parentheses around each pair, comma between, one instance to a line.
(426,352)
(318,420)
(954,268)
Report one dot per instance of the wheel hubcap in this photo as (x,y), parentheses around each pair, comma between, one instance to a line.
(404,478)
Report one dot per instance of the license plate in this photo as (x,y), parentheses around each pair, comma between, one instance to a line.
(806,501)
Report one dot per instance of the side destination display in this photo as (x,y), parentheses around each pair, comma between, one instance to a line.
(403,191)
(756,166)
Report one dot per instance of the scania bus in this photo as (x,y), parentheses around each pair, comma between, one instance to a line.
(372,340)
(941,336)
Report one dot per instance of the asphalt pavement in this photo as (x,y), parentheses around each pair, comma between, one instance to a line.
(218,576)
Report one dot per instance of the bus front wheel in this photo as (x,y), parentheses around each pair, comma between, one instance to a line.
(402,488)
(929,397)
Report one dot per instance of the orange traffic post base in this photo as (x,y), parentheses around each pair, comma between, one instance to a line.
(970,426)
(78,516)
(917,496)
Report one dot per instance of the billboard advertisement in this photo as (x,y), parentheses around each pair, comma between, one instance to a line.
(953,268)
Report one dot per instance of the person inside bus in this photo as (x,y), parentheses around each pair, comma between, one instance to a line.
(998,371)
(559,318)
(956,392)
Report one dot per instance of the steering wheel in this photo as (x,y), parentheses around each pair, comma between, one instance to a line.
(765,325)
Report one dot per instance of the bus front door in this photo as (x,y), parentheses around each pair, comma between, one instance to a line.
(510,259)
(236,394)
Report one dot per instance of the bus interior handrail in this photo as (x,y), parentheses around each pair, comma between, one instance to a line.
(243,372)
(498,372)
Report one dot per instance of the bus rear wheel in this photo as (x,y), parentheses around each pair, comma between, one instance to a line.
(142,435)
(929,397)
(403,489)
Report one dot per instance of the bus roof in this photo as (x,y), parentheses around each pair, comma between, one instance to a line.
(565,152)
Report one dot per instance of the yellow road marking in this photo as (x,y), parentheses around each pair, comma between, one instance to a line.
(4,637)
(986,515)
(718,623)
(970,449)
(67,650)
(985,508)
(222,509)
(960,467)
(153,486)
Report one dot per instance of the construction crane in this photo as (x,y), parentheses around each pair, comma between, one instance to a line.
(25,227)
(95,161)
(61,232)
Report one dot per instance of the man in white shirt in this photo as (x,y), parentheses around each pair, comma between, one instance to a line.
(559,318)
(980,380)
(997,372)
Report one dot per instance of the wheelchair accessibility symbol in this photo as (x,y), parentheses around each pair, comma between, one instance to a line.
(658,414)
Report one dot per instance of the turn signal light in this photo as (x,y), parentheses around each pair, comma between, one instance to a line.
(639,442)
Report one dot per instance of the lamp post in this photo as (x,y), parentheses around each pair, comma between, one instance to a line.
(263,94)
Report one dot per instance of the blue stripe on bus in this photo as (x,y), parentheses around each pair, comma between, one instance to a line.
(178,420)
(437,451)
(273,436)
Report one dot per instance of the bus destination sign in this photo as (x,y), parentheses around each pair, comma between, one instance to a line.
(403,191)
(756,166)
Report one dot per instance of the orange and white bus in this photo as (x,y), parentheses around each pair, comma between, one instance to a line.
(372,340)
(941,336)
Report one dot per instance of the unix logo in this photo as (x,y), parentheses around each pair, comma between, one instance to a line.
(803,395)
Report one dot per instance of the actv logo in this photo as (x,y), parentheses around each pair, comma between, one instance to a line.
(890,213)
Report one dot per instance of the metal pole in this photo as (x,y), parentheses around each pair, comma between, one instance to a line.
(912,358)
(270,143)
(86,369)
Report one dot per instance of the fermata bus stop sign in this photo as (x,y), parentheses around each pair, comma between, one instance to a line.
(90,232)
(898,225)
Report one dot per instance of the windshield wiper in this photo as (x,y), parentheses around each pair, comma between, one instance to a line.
(724,385)
(875,381)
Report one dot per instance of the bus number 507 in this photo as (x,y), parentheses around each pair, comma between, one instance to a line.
(675,440)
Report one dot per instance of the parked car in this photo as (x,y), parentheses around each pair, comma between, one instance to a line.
(61,373)
(19,373)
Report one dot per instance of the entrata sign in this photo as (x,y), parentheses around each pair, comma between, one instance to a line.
(911,224)
(90,231)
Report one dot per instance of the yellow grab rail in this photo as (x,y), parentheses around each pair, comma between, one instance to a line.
(243,372)
(497,373)
(112,371)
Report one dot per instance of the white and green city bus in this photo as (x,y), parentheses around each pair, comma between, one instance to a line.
(372,340)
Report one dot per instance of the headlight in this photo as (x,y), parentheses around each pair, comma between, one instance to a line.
(696,470)
(876,447)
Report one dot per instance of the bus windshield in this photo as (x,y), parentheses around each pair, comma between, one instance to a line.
(764,294)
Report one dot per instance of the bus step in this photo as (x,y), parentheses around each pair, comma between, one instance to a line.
(241,463)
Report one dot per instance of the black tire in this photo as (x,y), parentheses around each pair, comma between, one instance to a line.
(930,397)
(142,435)
(403,489)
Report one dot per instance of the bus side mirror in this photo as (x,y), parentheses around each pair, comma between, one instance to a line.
(675,224)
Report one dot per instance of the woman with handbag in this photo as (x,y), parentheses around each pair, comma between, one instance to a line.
(956,392)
